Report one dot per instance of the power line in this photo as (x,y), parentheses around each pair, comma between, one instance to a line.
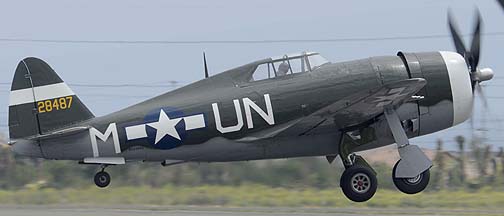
(123,85)
(115,95)
(327,40)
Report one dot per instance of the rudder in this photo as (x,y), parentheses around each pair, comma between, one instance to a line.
(41,102)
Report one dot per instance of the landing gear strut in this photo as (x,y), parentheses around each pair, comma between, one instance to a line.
(358,182)
(411,173)
(411,185)
(102,179)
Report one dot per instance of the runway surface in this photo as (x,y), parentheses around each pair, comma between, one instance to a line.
(218,211)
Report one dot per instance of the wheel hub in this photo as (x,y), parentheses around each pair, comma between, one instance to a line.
(360,183)
(414,180)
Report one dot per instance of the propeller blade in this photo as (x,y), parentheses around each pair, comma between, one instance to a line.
(471,122)
(471,119)
(482,95)
(476,43)
(457,39)
(501,3)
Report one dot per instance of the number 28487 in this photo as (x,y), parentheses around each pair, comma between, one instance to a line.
(50,105)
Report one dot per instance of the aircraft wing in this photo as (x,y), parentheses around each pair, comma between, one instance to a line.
(352,110)
(361,110)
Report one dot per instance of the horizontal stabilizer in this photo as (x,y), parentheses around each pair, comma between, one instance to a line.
(62,133)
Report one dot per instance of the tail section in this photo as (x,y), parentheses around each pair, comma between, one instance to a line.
(41,102)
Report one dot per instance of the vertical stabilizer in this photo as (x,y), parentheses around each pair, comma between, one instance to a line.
(41,102)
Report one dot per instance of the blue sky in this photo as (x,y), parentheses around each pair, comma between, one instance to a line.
(229,20)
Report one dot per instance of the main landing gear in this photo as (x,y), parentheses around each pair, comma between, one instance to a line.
(102,179)
(358,182)
(411,185)
(411,173)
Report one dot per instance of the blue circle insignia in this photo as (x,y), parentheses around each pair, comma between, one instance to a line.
(165,128)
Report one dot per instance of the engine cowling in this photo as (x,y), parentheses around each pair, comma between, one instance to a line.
(447,97)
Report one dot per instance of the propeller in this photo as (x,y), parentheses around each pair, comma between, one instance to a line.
(472,56)
(501,3)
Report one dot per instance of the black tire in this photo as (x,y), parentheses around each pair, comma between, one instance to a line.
(102,179)
(358,183)
(411,185)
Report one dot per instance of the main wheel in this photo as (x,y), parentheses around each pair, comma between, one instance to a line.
(358,183)
(102,179)
(411,185)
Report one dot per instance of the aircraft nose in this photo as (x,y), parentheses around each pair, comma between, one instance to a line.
(460,84)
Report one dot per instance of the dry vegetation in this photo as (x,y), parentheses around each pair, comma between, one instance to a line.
(249,196)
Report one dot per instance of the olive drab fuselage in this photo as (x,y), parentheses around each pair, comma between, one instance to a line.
(231,117)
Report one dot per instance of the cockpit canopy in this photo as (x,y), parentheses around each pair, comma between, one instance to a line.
(288,65)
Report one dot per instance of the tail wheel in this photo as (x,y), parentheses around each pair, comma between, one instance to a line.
(358,183)
(102,179)
(411,185)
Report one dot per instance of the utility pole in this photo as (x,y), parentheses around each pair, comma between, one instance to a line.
(461,159)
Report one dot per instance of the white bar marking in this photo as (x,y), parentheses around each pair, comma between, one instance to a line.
(136,132)
(194,122)
(24,96)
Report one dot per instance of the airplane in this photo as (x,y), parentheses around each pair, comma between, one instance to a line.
(297,105)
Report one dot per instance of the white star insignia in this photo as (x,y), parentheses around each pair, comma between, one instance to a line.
(165,126)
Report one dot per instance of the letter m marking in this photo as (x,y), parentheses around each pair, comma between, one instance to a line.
(111,131)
